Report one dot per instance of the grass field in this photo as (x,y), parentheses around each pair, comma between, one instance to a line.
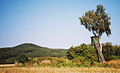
(13,68)
(58,70)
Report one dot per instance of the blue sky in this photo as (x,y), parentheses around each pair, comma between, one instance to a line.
(52,23)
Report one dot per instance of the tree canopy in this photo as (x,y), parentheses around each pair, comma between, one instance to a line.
(97,21)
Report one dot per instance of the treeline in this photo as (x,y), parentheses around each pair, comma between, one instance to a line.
(87,54)
(111,52)
(9,55)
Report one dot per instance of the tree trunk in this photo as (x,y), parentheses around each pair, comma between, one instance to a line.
(96,44)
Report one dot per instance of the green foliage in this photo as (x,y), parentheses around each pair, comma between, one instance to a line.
(22,58)
(108,51)
(83,53)
(113,57)
(9,55)
(111,52)
(116,50)
(101,64)
(97,21)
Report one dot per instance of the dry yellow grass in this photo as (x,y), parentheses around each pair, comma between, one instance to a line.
(58,70)
(7,65)
(113,62)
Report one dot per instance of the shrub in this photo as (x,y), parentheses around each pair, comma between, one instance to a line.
(22,58)
(111,52)
(108,51)
(84,53)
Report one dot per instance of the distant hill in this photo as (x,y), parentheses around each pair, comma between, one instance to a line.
(8,55)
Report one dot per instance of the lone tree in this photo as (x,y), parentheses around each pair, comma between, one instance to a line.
(97,22)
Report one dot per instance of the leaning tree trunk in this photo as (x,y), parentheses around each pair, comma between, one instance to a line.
(96,44)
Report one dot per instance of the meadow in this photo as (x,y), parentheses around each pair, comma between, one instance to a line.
(12,68)
(59,70)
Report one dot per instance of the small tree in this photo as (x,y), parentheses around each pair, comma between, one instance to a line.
(98,22)
(83,53)
(22,58)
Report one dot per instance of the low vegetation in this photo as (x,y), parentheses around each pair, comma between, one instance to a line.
(64,62)
(83,53)
(59,70)
(111,52)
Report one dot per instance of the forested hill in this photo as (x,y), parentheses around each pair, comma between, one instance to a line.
(30,50)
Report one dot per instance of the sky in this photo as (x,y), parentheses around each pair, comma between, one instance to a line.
(53,23)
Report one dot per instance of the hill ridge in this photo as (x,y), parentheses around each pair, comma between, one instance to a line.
(30,50)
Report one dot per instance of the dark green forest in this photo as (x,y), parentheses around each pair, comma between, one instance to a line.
(10,54)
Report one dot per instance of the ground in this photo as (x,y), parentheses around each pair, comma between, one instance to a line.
(58,70)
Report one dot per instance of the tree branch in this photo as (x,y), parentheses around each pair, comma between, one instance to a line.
(94,33)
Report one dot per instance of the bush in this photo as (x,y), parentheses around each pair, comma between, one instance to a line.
(111,52)
(107,51)
(22,58)
(83,53)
